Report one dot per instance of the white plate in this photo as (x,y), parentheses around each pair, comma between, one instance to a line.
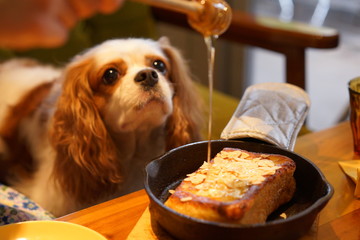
(48,230)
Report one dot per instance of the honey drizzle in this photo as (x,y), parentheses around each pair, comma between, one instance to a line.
(213,20)
(209,41)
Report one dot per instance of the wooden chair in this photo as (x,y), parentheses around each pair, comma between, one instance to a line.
(288,38)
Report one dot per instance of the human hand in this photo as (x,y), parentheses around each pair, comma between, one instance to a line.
(26,24)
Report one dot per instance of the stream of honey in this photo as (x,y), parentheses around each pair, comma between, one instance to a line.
(211,22)
(209,41)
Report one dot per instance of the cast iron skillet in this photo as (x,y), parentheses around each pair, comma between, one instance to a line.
(312,194)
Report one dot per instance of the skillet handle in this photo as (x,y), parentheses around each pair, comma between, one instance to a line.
(269,112)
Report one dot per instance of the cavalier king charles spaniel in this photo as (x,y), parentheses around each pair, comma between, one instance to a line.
(74,137)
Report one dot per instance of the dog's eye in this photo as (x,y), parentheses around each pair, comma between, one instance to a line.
(110,76)
(160,65)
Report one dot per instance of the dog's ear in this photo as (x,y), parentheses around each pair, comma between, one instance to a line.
(164,41)
(83,146)
(184,124)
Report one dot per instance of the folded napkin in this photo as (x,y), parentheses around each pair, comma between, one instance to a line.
(15,207)
(271,112)
(352,169)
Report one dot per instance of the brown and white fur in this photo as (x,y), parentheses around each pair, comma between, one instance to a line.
(73,137)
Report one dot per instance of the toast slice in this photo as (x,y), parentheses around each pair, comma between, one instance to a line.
(237,186)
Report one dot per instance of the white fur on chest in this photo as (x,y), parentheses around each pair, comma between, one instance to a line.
(138,150)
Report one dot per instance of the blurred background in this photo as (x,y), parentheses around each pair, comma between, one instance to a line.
(328,70)
(237,66)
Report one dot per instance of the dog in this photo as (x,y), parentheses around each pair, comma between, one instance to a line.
(79,135)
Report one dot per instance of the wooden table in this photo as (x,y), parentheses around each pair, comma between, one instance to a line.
(340,219)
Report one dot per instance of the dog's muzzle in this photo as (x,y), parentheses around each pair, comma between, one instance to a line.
(147,78)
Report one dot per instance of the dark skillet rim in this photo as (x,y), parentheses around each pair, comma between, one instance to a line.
(313,208)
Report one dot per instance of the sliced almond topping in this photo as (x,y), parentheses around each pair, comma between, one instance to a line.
(185,199)
(230,173)
(197,179)
(244,155)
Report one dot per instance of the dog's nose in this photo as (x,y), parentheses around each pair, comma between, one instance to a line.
(147,77)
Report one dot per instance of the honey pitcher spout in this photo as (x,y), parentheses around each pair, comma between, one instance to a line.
(209,17)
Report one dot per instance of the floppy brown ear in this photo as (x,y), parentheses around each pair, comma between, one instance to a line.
(86,156)
(184,124)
